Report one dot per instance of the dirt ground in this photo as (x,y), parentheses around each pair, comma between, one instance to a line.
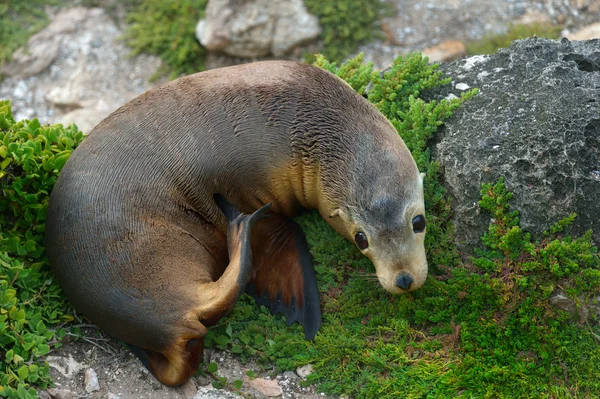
(121,375)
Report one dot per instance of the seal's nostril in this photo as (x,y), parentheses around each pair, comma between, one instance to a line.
(404,281)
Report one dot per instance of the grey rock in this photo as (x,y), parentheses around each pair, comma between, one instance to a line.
(583,310)
(208,392)
(305,371)
(256,28)
(43,48)
(90,379)
(90,78)
(56,393)
(290,375)
(535,121)
(189,389)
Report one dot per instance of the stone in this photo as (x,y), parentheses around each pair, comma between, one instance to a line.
(111,395)
(268,388)
(90,379)
(189,389)
(582,309)
(208,392)
(449,50)
(535,121)
(305,371)
(586,33)
(256,28)
(90,78)
(534,17)
(42,49)
(56,393)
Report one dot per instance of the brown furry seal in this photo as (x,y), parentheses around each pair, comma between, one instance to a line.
(142,246)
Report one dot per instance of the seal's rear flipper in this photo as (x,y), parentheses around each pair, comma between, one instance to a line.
(182,364)
(217,298)
(283,277)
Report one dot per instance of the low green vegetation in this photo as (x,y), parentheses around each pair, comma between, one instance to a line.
(166,29)
(489,44)
(346,24)
(32,307)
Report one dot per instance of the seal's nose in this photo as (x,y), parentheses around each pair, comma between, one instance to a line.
(404,281)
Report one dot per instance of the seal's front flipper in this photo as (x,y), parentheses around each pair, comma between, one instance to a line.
(283,277)
(218,298)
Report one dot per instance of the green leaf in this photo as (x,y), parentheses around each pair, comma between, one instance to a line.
(23,372)
(238,384)
(213,367)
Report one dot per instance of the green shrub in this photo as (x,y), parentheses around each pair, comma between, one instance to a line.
(31,304)
(489,44)
(346,24)
(167,29)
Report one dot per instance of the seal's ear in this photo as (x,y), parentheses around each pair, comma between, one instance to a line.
(336,212)
(230,211)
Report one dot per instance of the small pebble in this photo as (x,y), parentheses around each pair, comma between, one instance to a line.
(304,371)
(90,379)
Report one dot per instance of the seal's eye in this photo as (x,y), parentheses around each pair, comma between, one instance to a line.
(361,241)
(418,223)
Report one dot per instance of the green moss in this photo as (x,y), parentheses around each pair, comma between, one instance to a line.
(166,29)
(31,304)
(19,20)
(492,43)
(346,24)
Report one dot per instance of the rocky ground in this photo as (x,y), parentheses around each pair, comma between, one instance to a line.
(98,367)
(77,70)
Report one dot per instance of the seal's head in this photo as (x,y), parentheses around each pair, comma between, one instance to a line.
(384,214)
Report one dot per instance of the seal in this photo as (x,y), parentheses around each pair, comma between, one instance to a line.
(182,199)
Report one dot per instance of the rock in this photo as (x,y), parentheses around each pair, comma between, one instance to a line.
(111,395)
(305,371)
(43,47)
(581,308)
(44,395)
(536,121)
(268,388)
(586,33)
(449,50)
(90,77)
(591,6)
(534,17)
(256,28)
(208,392)
(56,393)
(290,375)
(189,389)
(90,379)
